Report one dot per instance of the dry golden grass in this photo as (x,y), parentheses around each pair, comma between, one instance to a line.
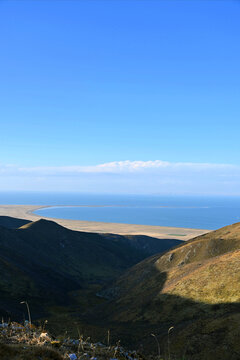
(18,342)
(215,281)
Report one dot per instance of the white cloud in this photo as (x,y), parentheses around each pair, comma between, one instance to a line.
(117,167)
(126,177)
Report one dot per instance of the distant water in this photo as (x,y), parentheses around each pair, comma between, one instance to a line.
(180,211)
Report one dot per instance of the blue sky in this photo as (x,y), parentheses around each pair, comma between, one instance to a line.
(84,83)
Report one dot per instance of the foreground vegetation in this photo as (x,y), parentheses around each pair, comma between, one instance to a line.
(28,342)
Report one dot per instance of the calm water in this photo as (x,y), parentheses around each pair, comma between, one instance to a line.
(179,211)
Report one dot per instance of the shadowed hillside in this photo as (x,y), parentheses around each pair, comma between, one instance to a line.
(194,287)
(148,244)
(12,223)
(50,265)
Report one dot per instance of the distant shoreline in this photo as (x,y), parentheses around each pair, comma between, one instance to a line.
(161,232)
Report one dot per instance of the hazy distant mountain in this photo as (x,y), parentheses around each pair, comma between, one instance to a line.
(194,287)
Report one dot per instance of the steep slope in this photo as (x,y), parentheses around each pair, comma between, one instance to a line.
(194,287)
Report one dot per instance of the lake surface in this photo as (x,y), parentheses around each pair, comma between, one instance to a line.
(180,211)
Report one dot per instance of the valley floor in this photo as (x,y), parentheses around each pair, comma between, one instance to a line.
(161,232)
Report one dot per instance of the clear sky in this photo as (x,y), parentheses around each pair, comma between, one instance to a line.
(84,83)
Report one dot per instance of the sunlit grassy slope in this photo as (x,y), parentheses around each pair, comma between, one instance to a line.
(194,287)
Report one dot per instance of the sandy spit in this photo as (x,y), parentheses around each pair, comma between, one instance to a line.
(161,232)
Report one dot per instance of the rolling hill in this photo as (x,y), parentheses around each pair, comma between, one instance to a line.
(194,287)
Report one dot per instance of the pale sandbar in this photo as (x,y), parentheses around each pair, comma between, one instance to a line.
(161,232)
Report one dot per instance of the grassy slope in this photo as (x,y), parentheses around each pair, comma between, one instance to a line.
(194,287)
